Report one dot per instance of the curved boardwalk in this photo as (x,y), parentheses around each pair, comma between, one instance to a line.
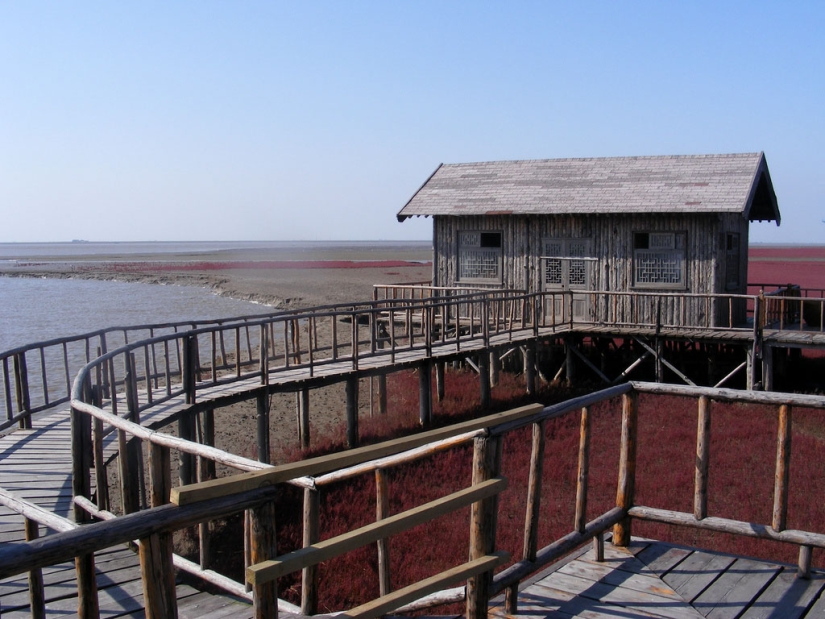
(36,464)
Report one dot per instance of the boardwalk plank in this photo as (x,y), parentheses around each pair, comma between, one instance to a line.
(734,590)
(787,595)
(693,575)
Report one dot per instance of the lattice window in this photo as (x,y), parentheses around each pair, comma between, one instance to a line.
(553,266)
(659,260)
(578,268)
(479,256)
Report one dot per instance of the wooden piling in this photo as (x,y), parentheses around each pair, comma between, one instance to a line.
(484,379)
(425,394)
(439,379)
(783,461)
(303,418)
(530,367)
(262,426)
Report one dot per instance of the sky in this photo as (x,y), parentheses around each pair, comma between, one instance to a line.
(127,121)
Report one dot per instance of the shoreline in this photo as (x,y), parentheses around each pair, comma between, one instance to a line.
(279,277)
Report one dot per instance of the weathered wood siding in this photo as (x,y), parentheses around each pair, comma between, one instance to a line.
(611,239)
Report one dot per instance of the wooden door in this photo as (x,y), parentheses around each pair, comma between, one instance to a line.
(567,266)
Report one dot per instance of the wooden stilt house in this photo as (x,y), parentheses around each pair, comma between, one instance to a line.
(664,224)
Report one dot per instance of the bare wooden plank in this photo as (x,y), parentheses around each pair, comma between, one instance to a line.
(787,596)
(610,576)
(696,572)
(734,590)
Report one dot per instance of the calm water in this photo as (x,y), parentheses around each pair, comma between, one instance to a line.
(42,309)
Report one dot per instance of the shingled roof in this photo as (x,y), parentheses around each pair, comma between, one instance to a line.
(737,183)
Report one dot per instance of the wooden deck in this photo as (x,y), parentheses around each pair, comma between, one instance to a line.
(654,579)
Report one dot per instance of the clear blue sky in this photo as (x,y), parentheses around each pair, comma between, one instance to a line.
(318,120)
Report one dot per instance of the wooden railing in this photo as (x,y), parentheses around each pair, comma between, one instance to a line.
(257,493)
(38,376)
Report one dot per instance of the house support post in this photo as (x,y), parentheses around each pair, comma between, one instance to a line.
(439,379)
(767,367)
(382,394)
(303,417)
(750,381)
(352,411)
(530,367)
(484,378)
(660,370)
(425,394)
(569,363)
(263,426)
(495,368)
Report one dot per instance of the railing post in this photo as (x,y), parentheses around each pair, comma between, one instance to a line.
(37,598)
(783,461)
(303,417)
(627,467)
(156,569)
(263,548)
(583,473)
(206,471)
(382,510)
(352,411)
(483,516)
(700,492)
(21,387)
(533,511)
(309,575)
(81,427)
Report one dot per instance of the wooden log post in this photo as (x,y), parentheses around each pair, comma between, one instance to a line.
(186,464)
(483,517)
(627,467)
(804,564)
(382,510)
(660,368)
(382,394)
(303,417)
(767,367)
(783,461)
(439,380)
(700,485)
(750,380)
(21,388)
(101,481)
(530,367)
(309,575)
(156,569)
(495,368)
(583,473)
(206,471)
(533,511)
(425,394)
(81,432)
(352,411)
(37,597)
(263,547)
(262,426)
(570,360)
(484,379)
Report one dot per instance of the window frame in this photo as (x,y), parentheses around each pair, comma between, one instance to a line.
(679,250)
(460,248)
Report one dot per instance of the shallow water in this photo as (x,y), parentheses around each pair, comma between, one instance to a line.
(43,309)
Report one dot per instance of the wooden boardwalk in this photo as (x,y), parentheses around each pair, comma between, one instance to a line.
(36,466)
(653,579)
